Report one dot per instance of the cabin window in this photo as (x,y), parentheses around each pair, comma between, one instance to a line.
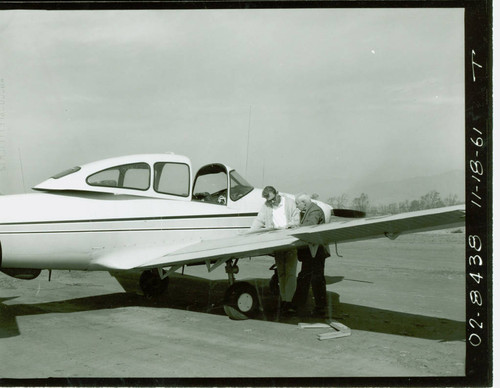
(239,186)
(128,176)
(172,178)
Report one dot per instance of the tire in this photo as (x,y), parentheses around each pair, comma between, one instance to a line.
(241,301)
(151,284)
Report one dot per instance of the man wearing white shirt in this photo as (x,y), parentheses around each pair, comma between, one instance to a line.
(280,212)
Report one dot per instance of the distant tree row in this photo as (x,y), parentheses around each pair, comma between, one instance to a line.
(430,200)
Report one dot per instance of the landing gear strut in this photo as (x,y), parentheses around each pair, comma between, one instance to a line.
(240,300)
(274,283)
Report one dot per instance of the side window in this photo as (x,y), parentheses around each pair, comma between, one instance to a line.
(172,178)
(127,176)
(136,177)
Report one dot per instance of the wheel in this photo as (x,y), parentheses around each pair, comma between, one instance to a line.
(240,301)
(151,283)
(274,285)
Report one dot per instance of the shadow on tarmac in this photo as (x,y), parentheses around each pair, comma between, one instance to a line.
(205,296)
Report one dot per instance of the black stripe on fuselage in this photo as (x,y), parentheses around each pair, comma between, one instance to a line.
(126,230)
(134,219)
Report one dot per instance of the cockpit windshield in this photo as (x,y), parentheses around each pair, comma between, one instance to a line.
(239,186)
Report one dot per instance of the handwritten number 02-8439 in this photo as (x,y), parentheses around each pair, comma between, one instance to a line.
(474,295)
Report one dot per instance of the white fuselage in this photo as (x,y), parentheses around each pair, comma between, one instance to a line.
(116,212)
(68,231)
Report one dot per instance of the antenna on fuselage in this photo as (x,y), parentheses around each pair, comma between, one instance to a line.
(248,138)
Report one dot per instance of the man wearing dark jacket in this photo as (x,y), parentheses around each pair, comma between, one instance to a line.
(313,259)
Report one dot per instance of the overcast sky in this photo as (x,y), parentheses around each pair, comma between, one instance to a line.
(311,100)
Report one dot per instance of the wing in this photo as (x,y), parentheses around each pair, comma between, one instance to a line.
(244,245)
(129,257)
(385,226)
(262,243)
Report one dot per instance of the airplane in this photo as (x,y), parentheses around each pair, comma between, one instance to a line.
(146,213)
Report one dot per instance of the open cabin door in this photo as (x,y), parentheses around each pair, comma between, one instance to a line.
(211,184)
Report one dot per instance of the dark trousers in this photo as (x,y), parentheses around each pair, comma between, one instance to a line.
(312,274)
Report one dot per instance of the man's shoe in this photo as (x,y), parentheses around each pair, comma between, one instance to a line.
(288,309)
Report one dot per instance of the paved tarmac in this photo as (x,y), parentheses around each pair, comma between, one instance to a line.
(404,301)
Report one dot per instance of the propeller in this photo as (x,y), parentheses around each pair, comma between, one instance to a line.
(348,213)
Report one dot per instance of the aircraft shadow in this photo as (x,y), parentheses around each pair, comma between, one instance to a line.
(206,296)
